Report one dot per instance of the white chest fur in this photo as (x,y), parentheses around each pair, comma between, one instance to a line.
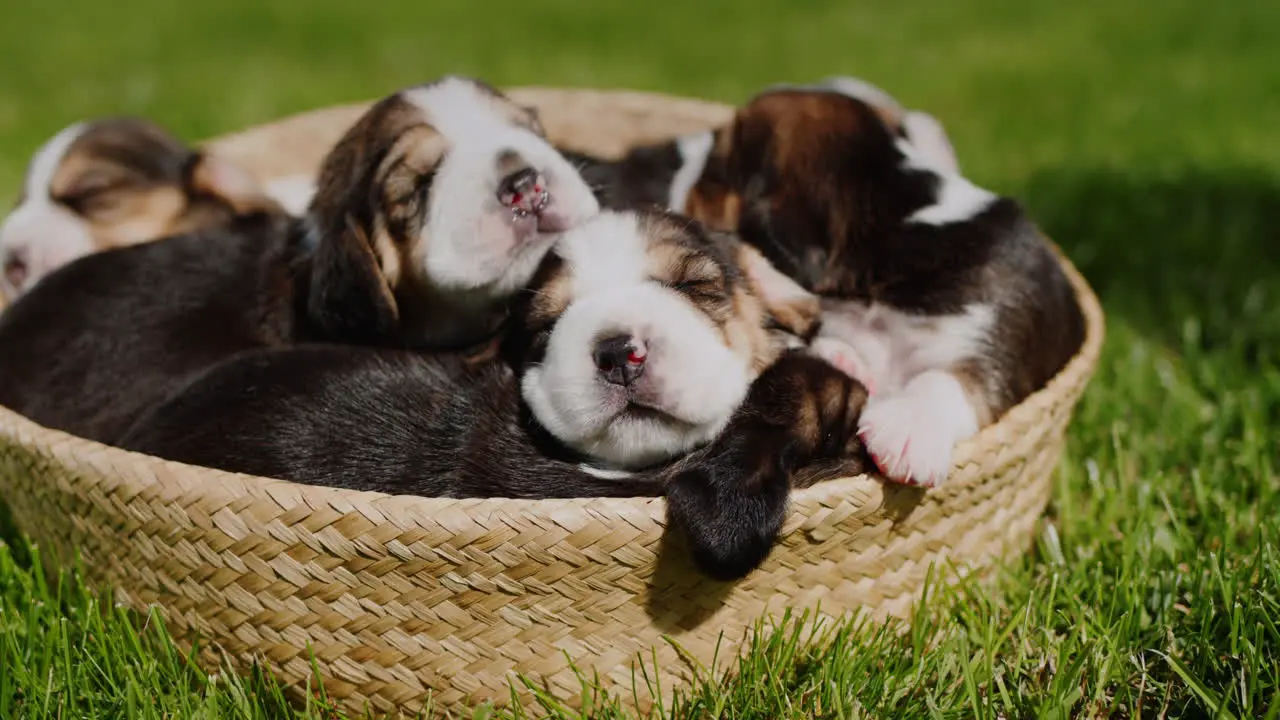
(893,346)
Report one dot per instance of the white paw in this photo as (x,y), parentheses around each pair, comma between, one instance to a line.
(845,359)
(911,435)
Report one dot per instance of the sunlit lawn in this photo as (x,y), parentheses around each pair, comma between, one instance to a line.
(1145,139)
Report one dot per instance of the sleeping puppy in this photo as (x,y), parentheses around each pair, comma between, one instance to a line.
(663,174)
(943,298)
(637,341)
(633,344)
(437,204)
(432,210)
(111,183)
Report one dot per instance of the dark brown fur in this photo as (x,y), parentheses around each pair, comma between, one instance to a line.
(823,193)
(98,341)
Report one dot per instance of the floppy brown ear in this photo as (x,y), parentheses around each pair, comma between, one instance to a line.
(351,299)
(221,178)
(789,305)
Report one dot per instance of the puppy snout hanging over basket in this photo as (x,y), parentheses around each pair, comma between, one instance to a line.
(401,598)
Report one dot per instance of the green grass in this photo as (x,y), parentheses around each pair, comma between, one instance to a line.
(1143,139)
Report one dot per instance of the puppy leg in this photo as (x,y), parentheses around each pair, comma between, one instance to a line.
(730,498)
(910,434)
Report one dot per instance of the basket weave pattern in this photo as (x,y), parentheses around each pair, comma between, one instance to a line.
(400,596)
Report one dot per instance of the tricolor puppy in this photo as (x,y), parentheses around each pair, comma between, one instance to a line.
(111,183)
(943,298)
(665,173)
(674,341)
(436,206)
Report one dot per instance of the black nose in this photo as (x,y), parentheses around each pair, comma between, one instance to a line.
(524,190)
(620,359)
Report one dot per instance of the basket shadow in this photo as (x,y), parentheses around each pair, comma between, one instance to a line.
(679,597)
(1162,251)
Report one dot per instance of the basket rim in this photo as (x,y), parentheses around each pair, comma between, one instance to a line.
(149,471)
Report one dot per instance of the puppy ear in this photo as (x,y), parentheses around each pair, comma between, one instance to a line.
(714,199)
(791,306)
(218,177)
(350,299)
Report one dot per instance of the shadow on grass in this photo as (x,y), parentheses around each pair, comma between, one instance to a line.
(1187,259)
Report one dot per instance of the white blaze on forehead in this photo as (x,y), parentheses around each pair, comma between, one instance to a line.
(956,199)
(694,151)
(606,254)
(459,109)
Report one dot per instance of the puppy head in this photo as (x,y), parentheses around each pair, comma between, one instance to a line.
(807,174)
(432,210)
(641,333)
(111,183)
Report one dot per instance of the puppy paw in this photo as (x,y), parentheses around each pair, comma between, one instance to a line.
(911,435)
(905,441)
(845,359)
(729,523)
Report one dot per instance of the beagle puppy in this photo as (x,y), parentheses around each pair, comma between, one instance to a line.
(115,182)
(433,209)
(941,297)
(647,355)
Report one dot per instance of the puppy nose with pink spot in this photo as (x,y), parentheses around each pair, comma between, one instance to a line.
(525,192)
(620,359)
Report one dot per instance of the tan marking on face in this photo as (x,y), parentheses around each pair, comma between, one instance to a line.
(729,302)
(118,208)
(552,297)
(401,213)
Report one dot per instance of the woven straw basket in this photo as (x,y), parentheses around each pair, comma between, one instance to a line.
(402,598)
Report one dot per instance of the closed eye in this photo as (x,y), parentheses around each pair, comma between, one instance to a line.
(92,184)
(707,288)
